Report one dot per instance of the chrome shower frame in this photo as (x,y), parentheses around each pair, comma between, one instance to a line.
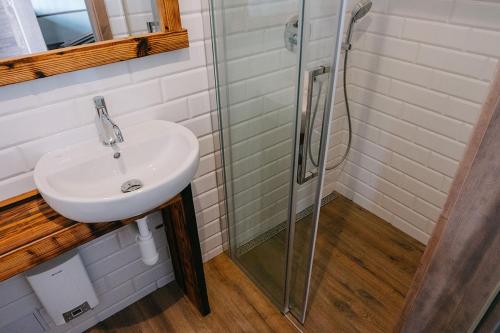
(325,132)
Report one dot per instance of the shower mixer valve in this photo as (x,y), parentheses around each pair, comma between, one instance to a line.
(291,33)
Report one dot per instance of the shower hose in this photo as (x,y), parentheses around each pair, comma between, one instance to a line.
(348,112)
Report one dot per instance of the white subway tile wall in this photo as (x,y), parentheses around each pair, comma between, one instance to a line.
(260,80)
(419,72)
(417,79)
(259,75)
(39,116)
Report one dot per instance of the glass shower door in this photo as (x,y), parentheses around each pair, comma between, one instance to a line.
(263,50)
(257,80)
(321,45)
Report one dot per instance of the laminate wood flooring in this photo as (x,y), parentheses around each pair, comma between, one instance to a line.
(362,270)
(237,306)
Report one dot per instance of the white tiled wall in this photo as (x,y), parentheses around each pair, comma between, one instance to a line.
(419,73)
(259,78)
(42,115)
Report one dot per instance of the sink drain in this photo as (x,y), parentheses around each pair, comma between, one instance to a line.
(131,185)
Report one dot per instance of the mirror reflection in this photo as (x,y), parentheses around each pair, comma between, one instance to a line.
(30,26)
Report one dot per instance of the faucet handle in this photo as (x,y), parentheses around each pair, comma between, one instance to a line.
(118,133)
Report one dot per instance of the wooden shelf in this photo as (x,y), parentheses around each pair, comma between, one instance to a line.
(31,232)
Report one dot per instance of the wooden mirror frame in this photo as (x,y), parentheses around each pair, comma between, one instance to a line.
(39,65)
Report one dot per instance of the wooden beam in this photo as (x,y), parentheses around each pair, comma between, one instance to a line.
(31,232)
(170,15)
(182,234)
(40,65)
(460,268)
(19,198)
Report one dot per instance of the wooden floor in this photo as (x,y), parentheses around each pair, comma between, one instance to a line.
(237,306)
(362,270)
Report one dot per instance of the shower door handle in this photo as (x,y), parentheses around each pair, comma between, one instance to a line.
(306,126)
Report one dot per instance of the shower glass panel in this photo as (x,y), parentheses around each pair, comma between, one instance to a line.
(270,80)
(320,46)
(257,81)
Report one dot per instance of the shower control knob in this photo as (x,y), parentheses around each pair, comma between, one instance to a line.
(291,33)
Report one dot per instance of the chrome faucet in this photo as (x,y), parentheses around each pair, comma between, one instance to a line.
(109,132)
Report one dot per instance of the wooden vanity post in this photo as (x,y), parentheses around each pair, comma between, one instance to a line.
(182,234)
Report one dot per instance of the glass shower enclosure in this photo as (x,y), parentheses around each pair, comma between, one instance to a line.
(276,65)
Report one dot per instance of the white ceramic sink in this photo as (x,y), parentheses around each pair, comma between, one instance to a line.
(84,182)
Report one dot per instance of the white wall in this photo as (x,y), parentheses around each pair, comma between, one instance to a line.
(419,73)
(41,115)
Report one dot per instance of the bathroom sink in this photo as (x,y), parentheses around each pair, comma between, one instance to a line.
(90,182)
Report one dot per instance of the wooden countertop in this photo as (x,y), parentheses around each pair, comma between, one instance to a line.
(31,232)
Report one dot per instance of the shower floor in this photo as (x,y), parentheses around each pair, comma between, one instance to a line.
(362,270)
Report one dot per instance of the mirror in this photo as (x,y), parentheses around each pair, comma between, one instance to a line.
(30,26)
(41,38)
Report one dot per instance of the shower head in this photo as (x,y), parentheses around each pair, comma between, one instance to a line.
(361,9)
(358,12)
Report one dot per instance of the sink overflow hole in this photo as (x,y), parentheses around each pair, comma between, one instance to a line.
(131,185)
